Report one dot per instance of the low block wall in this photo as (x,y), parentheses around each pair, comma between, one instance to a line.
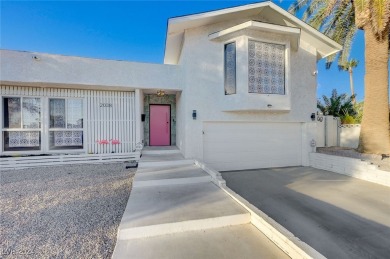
(350,166)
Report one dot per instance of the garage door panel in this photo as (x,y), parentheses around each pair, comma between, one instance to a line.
(250,148)
(251,156)
(236,146)
(256,138)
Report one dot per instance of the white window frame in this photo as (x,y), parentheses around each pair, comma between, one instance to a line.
(41,129)
(48,129)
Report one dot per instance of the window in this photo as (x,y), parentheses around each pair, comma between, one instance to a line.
(230,68)
(266,68)
(21,123)
(65,124)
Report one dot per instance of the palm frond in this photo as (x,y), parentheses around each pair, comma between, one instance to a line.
(379,15)
(298,5)
(312,8)
(362,13)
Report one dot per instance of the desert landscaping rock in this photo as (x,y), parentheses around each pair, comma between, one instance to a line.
(64,211)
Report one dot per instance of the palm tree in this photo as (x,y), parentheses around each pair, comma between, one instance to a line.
(349,66)
(337,105)
(340,19)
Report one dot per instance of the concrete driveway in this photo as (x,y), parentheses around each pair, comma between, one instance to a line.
(339,216)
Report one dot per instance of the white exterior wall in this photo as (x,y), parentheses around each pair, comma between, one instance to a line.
(19,68)
(202,64)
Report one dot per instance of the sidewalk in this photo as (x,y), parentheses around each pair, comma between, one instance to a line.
(176,211)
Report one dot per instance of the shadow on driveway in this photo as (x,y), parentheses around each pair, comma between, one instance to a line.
(339,216)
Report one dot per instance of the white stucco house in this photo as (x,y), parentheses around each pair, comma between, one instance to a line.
(237,90)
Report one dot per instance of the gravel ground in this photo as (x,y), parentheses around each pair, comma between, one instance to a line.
(383,164)
(62,212)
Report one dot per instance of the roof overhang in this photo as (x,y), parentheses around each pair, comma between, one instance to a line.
(291,32)
(272,12)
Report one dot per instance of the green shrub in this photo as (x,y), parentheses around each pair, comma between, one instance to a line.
(348,119)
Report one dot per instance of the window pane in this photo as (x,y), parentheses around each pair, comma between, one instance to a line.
(57,113)
(266,68)
(230,68)
(22,140)
(31,113)
(66,140)
(12,113)
(75,114)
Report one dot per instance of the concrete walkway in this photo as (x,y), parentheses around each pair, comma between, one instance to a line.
(175,211)
(339,216)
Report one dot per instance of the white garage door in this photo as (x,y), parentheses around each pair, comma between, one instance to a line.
(238,146)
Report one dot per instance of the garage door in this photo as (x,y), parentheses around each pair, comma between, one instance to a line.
(238,146)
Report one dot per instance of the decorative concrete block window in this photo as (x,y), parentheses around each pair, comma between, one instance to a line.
(230,68)
(266,68)
(21,123)
(65,124)
(262,65)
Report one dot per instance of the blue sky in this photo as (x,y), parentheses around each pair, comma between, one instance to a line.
(127,30)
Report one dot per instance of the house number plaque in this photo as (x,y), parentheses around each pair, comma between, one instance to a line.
(109,105)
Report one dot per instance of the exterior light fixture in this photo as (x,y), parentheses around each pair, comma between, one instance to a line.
(194,114)
(36,58)
(160,93)
(313,116)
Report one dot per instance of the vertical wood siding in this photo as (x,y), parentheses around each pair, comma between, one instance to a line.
(100,122)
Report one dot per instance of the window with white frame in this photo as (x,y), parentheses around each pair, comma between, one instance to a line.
(266,68)
(230,68)
(21,123)
(65,123)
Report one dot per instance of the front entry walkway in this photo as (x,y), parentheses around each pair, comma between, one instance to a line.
(176,211)
(339,216)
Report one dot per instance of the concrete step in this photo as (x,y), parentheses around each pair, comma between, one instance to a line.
(160,152)
(148,164)
(185,180)
(160,157)
(167,209)
(170,175)
(167,167)
(242,241)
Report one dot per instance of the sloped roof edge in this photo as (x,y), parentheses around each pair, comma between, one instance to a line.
(177,26)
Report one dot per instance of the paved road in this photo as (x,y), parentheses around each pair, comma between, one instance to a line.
(339,216)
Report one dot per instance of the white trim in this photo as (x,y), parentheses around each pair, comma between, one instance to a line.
(267,27)
(21,129)
(306,26)
(47,137)
(14,163)
(177,26)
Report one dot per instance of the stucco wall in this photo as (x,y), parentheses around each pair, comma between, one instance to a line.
(203,82)
(18,67)
(154,99)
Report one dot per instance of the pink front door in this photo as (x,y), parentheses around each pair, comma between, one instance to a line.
(160,125)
